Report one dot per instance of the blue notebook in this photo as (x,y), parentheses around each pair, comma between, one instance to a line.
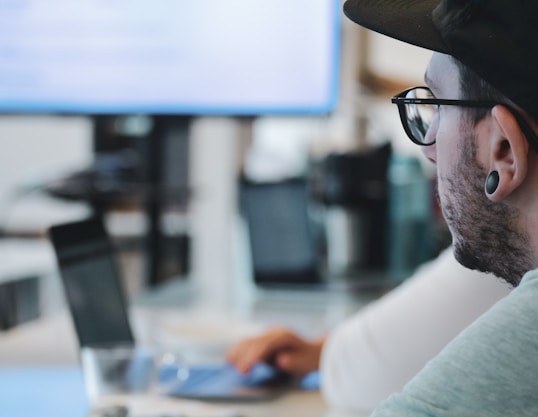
(42,391)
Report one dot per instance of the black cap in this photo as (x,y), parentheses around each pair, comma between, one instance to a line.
(498,39)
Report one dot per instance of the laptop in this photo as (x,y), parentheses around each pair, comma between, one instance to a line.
(98,306)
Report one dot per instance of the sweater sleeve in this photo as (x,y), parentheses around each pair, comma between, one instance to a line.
(379,349)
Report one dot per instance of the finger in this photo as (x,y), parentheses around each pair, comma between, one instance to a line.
(263,348)
(260,350)
(235,352)
(248,352)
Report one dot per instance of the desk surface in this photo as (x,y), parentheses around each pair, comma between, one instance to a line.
(58,391)
(39,374)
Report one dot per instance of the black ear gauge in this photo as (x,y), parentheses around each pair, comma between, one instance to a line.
(492,182)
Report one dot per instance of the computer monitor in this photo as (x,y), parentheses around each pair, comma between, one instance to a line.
(187,57)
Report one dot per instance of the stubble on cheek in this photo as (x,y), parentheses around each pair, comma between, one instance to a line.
(485,234)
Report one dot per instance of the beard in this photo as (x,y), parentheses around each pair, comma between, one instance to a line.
(485,234)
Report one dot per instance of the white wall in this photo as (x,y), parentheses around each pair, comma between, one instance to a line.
(35,147)
(33,150)
(394,59)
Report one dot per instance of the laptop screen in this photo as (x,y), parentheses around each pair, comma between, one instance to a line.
(91,283)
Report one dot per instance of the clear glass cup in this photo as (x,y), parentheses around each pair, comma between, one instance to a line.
(116,376)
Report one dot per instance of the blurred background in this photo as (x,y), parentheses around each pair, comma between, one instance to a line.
(236,150)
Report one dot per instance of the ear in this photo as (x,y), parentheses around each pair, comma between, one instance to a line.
(508,153)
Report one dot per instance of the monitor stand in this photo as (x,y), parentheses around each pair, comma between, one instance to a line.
(163,145)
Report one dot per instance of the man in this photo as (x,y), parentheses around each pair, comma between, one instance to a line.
(477,119)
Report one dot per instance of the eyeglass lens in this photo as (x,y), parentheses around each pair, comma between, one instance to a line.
(419,116)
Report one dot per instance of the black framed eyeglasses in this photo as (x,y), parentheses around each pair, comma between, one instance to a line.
(418,107)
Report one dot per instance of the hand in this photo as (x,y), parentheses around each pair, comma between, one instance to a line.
(280,347)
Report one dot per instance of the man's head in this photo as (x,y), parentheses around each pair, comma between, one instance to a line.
(478,119)
(487,228)
(494,38)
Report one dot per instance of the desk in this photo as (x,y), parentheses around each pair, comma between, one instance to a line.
(40,376)
(59,392)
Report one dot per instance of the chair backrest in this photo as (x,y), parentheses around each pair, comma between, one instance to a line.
(281,236)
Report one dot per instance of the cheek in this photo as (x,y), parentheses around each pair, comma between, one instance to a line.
(448,137)
(446,158)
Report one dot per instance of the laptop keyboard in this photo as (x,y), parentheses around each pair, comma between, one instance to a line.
(199,375)
(208,379)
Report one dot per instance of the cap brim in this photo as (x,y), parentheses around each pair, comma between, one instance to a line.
(409,21)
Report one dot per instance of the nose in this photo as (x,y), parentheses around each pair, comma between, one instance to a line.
(430,152)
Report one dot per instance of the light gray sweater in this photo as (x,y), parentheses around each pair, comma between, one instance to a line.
(490,369)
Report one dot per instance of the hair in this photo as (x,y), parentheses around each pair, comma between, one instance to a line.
(474,87)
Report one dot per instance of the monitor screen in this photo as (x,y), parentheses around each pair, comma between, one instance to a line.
(190,57)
